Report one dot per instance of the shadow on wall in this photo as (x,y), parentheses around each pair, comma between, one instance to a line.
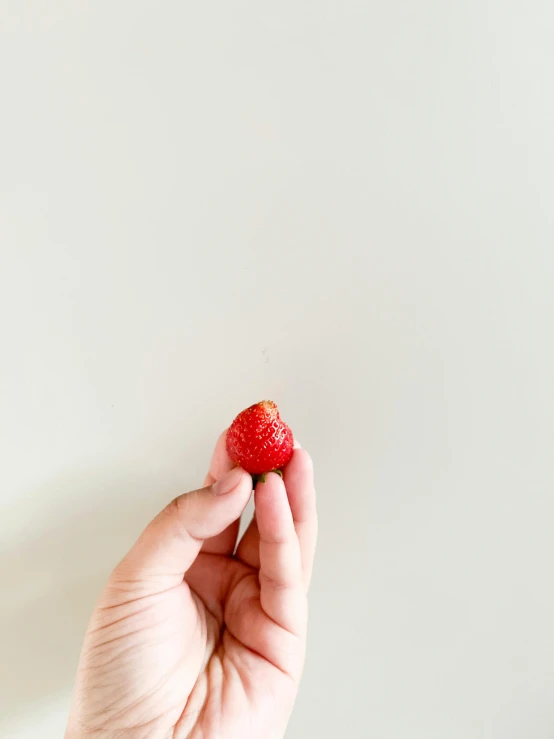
(54,575)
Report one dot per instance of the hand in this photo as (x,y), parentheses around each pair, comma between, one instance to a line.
(194,636)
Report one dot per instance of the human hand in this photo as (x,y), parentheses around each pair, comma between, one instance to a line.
(194,636)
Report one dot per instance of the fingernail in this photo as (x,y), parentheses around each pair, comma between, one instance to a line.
(228,482)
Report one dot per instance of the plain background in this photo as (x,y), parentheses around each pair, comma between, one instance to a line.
(345,206)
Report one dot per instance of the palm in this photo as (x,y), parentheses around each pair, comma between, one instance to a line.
(213,655)
(242,671)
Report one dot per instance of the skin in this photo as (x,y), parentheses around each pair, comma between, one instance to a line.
(194,636)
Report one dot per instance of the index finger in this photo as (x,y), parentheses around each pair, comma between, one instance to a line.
(299,482)
(225,542)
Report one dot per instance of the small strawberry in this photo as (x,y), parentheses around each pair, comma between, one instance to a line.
(258,440)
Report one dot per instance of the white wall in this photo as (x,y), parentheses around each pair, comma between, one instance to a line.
(345,206)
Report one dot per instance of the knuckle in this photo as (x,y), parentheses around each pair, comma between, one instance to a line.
(185,515)
(172,509)
(276,539)
(275,583)
(181,504)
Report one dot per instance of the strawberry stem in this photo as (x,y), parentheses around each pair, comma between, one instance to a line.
(261,478)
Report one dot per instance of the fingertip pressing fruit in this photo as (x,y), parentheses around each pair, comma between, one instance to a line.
(259,441)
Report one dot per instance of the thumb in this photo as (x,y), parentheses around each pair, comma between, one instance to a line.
(171,542)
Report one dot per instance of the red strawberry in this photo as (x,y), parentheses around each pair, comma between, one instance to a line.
(258,440)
